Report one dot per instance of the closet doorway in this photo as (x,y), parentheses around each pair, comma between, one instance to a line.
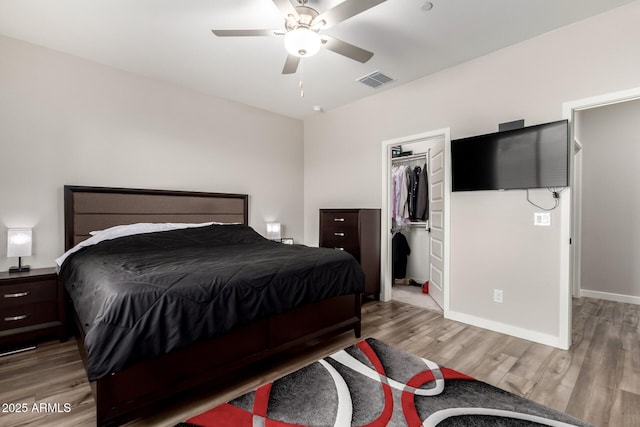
(427,236)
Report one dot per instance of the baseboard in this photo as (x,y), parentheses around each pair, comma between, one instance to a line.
(503,328)
(610,296)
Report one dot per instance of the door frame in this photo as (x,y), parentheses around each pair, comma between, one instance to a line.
(570,267)
(576,217)
(385,223)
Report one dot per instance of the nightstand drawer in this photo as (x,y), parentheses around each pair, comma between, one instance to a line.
(27,315)
(28,293)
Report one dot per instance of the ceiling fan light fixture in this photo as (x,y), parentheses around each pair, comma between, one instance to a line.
(302,41)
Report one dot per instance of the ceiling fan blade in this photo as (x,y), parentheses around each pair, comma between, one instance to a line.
(286,8)
(291,64)
(246,33)
(344,11)
(343,48)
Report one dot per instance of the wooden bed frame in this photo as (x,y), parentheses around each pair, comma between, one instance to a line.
(134,391)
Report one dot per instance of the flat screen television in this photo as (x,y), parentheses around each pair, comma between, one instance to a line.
(529,157)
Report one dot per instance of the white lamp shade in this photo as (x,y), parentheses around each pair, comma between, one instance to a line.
(18,242)
(302,42)
(273,230)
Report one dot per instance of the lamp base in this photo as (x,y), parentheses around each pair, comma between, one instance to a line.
(19,269)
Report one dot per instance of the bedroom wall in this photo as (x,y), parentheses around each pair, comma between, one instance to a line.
(64,120)
(610,137)
(493,241)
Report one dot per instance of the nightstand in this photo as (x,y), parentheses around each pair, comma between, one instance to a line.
(31,305)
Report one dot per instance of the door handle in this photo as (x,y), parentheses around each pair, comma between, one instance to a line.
(339,234)
(338,219)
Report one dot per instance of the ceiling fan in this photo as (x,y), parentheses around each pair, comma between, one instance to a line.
(303,24)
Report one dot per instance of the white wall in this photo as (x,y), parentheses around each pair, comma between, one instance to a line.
(610,137)
(64,120)
(494,244)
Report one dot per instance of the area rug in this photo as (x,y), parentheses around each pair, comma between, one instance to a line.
(373,384)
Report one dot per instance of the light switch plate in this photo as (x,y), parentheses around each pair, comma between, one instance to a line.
(542,219)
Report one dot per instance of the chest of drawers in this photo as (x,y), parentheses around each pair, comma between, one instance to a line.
(356,231)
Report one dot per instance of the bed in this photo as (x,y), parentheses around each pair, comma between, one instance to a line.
(190,356)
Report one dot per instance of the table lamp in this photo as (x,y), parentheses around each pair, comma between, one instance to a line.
(19,245)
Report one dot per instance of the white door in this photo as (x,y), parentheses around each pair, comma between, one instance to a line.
(436,172)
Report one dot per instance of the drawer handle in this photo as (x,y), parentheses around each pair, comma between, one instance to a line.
(17,295)
(340,249)
(16,318)
(339,234)
(338,219)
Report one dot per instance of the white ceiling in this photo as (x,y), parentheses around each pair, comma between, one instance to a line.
(171,40)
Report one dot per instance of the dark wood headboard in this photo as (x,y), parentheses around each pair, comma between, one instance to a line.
(95,208)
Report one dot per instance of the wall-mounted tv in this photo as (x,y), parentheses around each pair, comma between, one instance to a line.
(529,157)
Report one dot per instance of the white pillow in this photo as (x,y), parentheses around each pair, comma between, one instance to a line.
(129,230)
(150,227)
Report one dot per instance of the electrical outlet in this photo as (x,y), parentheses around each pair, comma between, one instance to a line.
(542,219)
(497,295)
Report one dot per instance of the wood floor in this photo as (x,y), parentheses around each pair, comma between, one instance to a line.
(598,380)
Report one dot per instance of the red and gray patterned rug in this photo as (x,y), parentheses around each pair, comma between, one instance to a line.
(373,384)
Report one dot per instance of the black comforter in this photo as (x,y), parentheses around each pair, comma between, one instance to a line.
(141,296)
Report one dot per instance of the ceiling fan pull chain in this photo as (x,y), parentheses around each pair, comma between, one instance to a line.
(301,77)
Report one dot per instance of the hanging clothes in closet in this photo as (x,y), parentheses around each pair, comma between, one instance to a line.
(410,194)
(400,194)
(422,197)
(400,250)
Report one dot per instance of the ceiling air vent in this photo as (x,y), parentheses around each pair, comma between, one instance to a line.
(375,79)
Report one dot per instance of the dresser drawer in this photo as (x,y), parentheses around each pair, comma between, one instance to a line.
(27,315)
(344,245)
(339,219)
(349,234)
(32,292)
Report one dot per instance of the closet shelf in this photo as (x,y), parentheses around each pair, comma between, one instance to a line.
(418,224)
(412,224)
(409,158)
